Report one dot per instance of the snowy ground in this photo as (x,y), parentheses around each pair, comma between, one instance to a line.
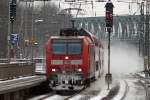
(88,93)
(124,60)
(135,90)
(91,91)
(130,89)
(56,97)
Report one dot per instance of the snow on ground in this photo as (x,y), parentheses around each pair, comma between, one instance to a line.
(38,97)
(101,94)
(122,91)
(135,90)
(56,97)
(130,89)
(78,97)
(94,89)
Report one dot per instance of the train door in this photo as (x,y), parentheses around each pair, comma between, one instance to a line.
(91,61)
(102,60)
(97,62)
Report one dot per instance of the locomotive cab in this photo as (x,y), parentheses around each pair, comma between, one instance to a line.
(70,59)
(66,64)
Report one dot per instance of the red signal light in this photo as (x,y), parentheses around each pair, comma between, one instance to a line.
(109,16)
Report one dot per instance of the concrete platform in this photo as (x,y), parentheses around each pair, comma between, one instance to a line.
(20,83)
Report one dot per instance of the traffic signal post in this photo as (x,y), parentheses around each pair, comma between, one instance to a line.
(12,17)
(12,13)
(109,23)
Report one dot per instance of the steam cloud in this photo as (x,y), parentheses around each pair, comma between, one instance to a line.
(124,58)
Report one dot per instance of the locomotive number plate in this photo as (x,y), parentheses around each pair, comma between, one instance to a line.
(66,62)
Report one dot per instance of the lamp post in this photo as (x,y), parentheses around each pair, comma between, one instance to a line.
(109,23)
(35,40)
(12,17)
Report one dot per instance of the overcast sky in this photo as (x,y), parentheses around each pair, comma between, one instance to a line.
(120,8)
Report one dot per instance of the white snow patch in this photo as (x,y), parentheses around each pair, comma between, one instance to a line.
(76,97)
(121,92)
(135,91)
(101,95)
(38,97)
(142,74)
(56,97)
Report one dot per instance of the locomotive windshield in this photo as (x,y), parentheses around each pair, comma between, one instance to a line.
(64,47)
(59,48)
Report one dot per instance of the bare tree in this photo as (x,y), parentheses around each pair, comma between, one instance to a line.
(27,26)
(3,27)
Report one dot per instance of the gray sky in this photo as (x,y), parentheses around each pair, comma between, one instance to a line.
(121,8)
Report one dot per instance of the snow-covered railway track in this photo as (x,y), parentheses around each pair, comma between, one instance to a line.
(134,89)
(42,97)
(126,89)
(145,82)
(74,94)
(147,89)
(137,87)
(54,96)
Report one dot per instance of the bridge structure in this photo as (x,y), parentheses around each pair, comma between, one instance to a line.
(127,28)
(124,27)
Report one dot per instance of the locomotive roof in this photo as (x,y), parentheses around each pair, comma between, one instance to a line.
(71,37)
(67,37)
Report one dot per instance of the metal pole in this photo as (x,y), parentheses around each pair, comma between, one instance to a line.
(73,22)
(8,36)
(109,23)
(109,33)
(146,41)
(147,32)
(11,46)
(108,75)
(32,40)
(142,27)
(12,26)
(25,29)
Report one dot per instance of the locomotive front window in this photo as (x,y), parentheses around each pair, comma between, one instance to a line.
(74,48)
(64,47)
(59,48)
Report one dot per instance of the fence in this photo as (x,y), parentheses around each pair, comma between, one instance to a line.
(16,70)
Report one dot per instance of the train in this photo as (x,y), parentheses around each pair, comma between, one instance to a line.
(74,59)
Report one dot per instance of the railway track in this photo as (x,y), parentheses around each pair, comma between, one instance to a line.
(42,96)
(75,94)
(133,89)
(126,91)
(147,89)
(143,81)
(53,95)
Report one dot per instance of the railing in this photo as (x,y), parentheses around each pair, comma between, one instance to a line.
(13,60)
(16,70)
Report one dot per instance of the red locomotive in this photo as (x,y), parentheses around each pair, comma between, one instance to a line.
(73,59)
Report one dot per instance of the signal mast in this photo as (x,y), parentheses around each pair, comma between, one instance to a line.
(109,23)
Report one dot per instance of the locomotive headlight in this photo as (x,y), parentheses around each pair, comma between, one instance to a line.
(53,70)
(66,57)
(79,69)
